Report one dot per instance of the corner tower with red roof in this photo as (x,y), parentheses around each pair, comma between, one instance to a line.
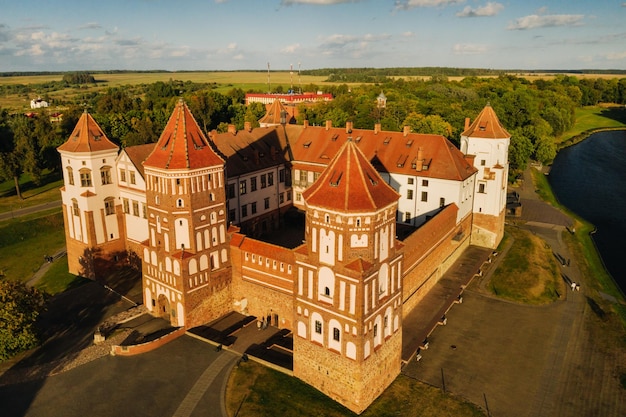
(348,291)
(186,260)
(93,219)
(488,142)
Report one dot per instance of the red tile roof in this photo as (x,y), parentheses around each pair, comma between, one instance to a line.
(487,126)
(350,183)
(248,151)
(395,152)
(182,144)
(87,137)
(273,114)
(138,154)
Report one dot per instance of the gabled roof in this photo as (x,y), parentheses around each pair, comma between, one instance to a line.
(138,153)
(253,150)
(182,144)
(394,152)
(350,183)
(272,116)
(87,137)
(486,126)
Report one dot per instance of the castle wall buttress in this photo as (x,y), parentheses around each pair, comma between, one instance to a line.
(488,231)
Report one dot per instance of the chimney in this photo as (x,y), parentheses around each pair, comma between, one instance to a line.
(257,159)
(329,124)
(306,124)
(348,127)
(232,129)
(407,130)
(247,126)
(467,123)
(377,128)
(419,165)
(273,152)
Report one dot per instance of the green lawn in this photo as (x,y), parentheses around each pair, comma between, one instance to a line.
(25,241)
(592,118)
(255,391)
(57,279)
(32,194)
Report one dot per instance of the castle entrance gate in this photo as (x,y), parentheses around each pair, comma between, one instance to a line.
(163,306)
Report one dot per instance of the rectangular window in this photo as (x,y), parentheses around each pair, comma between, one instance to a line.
(424,196)
(318,327)
(135,208)
(144,211)
(298,196)
(85,179)
(231,191)
(105,176)
(132,177)
(481,187)
(281,175)
(252,184)
(442,202)
(122,175)
(242,187)
(254,208)
(410,181)
(244,210)
(109,207)
(263,181)
(267,203)
(336,334)
(126,206)
(232,214)
(424,183)
(482,162)
(409,194)
(270,179)
(316,175)
(288,195)
(281,198)
(407,217)
(303,177)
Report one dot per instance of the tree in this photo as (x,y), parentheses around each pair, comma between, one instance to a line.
(19,308)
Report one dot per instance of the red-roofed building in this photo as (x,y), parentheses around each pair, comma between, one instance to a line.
(191,207)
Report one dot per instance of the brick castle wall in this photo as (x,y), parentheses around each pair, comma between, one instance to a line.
(353,383)
(487,231)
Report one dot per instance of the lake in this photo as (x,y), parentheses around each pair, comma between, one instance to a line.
(590,179)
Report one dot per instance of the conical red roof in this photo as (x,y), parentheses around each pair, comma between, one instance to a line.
(87,137)
(182,144)
(486,126)
(350,183)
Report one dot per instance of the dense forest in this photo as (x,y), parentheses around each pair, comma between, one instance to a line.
(535,113)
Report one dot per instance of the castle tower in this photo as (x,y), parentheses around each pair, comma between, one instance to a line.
(488,142)
(93,217)
(186,260)
(348,292)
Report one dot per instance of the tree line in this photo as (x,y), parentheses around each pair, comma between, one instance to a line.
(536,113)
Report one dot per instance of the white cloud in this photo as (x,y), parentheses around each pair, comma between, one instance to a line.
(616,56)
(91,25)
(489,9)
(408,34)
(468,49)
(232,46)
(535,21)
(290,49)
(410,4)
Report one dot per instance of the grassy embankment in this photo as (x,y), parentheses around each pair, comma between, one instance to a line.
(32,194)
(254,391)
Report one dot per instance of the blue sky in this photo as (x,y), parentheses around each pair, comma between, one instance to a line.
(66,35)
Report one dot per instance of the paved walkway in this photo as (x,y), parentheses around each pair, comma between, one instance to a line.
(521,360)
(29,210)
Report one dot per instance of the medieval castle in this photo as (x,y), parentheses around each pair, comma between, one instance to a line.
(385,214)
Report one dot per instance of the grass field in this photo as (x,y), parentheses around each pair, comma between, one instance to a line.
(254,391)
(32,194)
(25,241)
(591,118)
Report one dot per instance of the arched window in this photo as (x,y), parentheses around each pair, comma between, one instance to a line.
(109,206)
(105,175)
(70,175)
(180,203)
(75,209)
(85,178)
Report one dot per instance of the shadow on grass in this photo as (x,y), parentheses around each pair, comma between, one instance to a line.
(615,113)
(8,188)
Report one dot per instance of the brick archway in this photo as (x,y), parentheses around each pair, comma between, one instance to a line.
(163,307)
